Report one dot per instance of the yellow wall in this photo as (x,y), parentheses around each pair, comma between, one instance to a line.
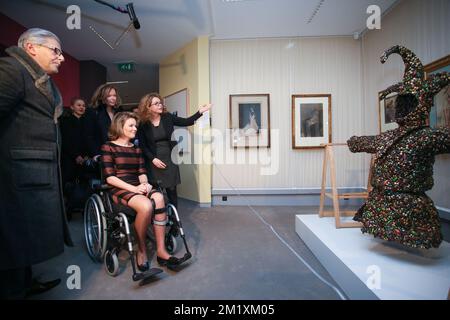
(188,67)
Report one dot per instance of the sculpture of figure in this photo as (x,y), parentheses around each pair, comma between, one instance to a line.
(397,208)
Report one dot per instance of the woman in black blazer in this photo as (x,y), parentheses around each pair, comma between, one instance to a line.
(105,103)
(154,136)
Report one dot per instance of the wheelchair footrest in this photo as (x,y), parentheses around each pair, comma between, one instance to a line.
(182,260)
(147,274)
(186,257)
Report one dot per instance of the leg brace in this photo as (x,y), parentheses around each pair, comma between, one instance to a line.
(157,211)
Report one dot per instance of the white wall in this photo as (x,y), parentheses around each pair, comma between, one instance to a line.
(283,67)
(188,68)
(423,27)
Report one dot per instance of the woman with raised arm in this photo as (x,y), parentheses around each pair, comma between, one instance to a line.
(155,140)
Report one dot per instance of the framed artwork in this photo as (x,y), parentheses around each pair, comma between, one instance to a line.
(440,112)
(311,120)
(250,120)
(386,112)
(177,103)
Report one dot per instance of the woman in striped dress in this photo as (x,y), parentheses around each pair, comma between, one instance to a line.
(124,169)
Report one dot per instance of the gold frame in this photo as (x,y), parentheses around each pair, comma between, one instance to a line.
(294,129)
(434,66)
(381,105)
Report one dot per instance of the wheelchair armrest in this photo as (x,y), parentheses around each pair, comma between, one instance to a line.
(156,184)
(101,187)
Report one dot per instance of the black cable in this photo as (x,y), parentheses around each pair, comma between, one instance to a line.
(111,6)
(129,10)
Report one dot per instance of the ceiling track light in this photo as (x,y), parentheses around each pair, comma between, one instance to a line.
(316,10)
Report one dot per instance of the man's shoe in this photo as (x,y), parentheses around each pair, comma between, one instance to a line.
(41,287)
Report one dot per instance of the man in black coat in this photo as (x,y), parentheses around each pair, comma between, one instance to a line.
(33,226)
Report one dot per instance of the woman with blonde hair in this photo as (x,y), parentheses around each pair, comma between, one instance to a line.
(105,103)
(124,169)
(155,132)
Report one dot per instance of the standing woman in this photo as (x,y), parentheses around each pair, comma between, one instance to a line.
(155,134)
(73,156)
(73,152)
(105,103)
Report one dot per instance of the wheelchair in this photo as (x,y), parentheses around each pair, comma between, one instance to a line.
(107,231)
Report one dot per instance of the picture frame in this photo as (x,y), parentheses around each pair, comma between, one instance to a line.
(386,112)
(440,112)
(311,120)
(250,120)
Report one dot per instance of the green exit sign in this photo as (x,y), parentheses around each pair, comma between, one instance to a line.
(125,66)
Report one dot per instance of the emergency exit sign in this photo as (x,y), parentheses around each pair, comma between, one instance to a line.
(125,66)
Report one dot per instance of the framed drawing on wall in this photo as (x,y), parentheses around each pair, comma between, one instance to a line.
(250,120)
(386,113)
(440,112)
(311,120)
(177,103)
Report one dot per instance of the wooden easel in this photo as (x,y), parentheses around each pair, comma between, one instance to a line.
(336,213)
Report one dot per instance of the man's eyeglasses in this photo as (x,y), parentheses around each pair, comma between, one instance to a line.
(55,50)
(157,103)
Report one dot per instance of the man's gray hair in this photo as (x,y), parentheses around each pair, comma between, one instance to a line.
(36,36)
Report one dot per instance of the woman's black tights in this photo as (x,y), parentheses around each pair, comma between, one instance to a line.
(172,195)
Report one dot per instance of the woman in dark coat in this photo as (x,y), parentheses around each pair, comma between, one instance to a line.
(74,157)
(74,144)
(33,226)
(105,103)
(155,133)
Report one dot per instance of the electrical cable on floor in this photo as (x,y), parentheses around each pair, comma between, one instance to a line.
(341,295)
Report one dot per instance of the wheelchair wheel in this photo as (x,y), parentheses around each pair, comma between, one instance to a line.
(171,243)
(111,262)
(95,228)
(170,239)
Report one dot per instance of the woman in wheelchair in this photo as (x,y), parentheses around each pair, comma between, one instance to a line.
(124,170)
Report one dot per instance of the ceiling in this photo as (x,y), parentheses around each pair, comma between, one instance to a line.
(167,25)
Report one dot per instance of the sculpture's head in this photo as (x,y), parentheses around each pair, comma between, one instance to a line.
(404,105)
(415,92)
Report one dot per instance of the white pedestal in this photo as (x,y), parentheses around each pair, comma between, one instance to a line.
(369,268)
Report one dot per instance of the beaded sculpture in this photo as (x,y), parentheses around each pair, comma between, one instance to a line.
(397,208)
